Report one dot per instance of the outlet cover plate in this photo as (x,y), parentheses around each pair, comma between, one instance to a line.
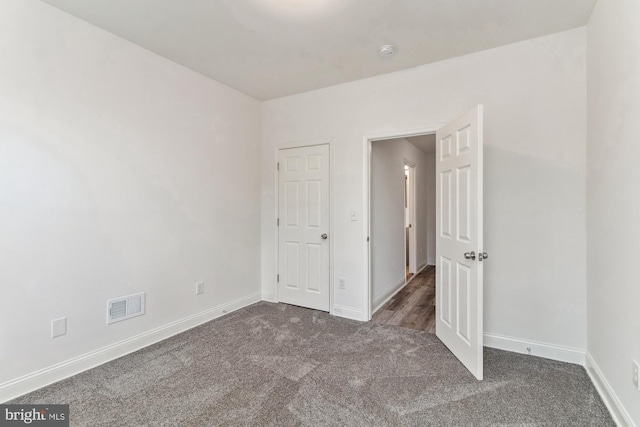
(199,288)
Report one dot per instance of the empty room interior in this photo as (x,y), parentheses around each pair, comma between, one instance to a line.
(319,212)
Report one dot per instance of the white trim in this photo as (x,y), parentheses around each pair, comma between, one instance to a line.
(366,199)
(389,293)
(43,377)
(366,215)
(403,134)
(535,348)
(611,401)
(347,312)
(385,297)
(305,143)
(269,297)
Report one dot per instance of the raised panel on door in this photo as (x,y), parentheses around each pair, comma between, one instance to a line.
(444,291)
(459,231)
(291,277)
(292,204)
(445,204)
(303,209)
(314,268)
(463,309)
(314,204)
(463,204)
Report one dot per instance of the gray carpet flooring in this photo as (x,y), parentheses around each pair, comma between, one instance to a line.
(279,365)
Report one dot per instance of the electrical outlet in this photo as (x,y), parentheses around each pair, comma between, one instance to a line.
(342,283)
(636,369)
(58,327)
(199,288)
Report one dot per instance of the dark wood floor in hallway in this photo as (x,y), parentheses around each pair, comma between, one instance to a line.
(414,306)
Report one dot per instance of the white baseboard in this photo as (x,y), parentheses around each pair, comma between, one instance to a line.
(387,295)
(616,408)
(347,312)
(535,348)
(38,379)
(422,267)
(269,297)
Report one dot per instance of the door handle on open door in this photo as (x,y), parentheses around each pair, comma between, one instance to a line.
(470,255)
(482,255)
(324,236)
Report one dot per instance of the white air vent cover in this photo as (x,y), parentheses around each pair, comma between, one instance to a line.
(125,307)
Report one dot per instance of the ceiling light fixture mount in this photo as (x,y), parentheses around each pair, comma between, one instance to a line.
(386,50)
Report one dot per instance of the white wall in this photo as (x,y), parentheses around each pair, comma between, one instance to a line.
(613,206)
(534,93)
(120,172)
(388,263)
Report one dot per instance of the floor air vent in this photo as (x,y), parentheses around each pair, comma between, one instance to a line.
(124,308)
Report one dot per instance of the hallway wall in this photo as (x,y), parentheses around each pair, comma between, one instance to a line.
(387,214)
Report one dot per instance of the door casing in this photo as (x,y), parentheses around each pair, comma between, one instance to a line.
(367,296)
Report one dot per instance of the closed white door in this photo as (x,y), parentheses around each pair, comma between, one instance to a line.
(303,226)
(459,239)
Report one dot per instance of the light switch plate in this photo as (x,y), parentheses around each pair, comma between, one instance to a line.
(58,327)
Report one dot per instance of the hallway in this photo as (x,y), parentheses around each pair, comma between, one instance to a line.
(414,306)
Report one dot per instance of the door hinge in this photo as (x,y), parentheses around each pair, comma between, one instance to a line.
(278,166)
(367,238)
(278,222)
(278,278)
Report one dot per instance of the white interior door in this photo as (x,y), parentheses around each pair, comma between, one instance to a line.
(303,226)
(459,239)
(410,188)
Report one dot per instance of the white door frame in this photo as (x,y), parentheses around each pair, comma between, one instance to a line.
(366,202)
(326,141)
(411,205)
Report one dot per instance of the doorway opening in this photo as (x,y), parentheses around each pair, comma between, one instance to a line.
(458,234)
(402,231)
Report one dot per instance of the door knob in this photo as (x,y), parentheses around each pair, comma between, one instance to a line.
(470,255)
(483,255)
(324,236)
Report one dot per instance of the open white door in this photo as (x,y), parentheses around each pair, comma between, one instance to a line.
(303,226)
(459,239)
(410,217)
